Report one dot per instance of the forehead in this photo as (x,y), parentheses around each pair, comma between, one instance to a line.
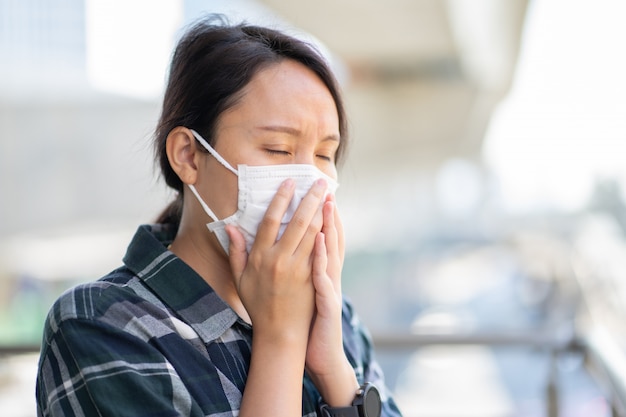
(287,90)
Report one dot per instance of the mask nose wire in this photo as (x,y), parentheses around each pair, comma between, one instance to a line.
(214,152)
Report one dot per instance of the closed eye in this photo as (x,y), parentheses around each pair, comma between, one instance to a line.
(276,152)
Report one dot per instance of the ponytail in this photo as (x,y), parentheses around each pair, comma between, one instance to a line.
(172,213)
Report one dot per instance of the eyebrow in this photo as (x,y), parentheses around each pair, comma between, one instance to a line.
(293,131)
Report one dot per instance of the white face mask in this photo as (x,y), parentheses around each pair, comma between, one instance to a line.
(257,187)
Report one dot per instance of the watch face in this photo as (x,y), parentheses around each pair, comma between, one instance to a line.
(372,403)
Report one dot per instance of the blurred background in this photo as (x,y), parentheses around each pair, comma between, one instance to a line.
(482,197)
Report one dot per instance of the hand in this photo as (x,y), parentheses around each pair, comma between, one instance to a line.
(326,361)
(274,280)
(325,346)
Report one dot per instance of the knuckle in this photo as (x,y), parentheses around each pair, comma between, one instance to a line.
(317,192)
(279,268)
(314,227)
(270,220)
(299,222)
(255,259)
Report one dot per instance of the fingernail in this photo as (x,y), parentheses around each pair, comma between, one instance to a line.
(321,182)
(288,183)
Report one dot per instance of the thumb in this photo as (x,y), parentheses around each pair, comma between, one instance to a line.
(238,255)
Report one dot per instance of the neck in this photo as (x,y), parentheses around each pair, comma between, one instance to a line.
(199,249)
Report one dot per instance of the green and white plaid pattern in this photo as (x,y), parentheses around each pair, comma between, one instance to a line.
(152,338)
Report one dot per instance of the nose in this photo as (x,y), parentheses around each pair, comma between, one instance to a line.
(305,158)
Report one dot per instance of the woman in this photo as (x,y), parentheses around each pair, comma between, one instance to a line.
(245,318)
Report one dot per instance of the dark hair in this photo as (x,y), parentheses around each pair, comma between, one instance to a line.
(212,63)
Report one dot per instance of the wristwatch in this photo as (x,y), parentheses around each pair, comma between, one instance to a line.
(366,404)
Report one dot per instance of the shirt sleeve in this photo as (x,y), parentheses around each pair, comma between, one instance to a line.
(360,352)
(88,368)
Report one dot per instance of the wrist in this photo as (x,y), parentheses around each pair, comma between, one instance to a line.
(266,333)
(366,403)
(337,388)
(282,349)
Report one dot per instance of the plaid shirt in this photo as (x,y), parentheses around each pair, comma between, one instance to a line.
(152,338)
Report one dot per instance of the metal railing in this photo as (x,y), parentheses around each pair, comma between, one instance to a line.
(606,361)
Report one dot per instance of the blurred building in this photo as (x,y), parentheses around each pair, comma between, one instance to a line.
(44,47)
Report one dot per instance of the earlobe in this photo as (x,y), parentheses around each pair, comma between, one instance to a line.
(182,152)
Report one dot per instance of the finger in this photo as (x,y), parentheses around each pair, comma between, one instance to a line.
(301,224)
(341,238)
(270,224)
(320,264)
(334,250)
(326,297)
(238,256)
(329,229)
(307,243)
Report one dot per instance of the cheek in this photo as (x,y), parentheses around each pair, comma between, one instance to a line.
(329,169)
(231,194)
(221,189)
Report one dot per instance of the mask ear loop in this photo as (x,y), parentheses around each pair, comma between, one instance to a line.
(214,152)
(221,161)
(203,204)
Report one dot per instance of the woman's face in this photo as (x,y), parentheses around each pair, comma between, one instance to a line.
(286,115)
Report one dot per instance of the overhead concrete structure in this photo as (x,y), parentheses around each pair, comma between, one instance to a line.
(424,75)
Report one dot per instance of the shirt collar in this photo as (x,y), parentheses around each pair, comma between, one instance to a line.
(176,283)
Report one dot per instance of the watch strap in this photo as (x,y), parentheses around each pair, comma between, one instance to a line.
(366,404)
(350,411)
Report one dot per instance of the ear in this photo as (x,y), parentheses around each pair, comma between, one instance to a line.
(183,153)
